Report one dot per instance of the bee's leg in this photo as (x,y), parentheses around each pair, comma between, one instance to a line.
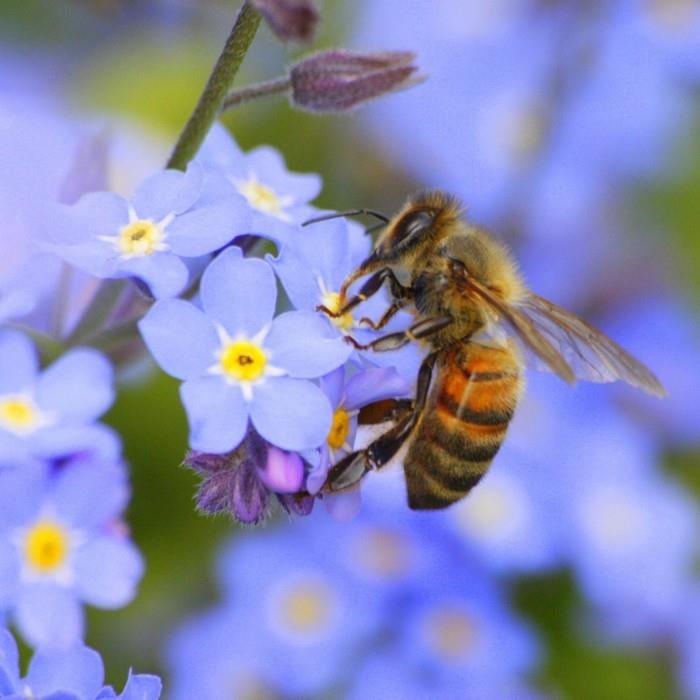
(394,341)
(368,289)
(350,470)
(386,317)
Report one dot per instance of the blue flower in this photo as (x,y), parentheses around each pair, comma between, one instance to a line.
(171,215)
(237,362)
(312,266)
(275,196)
(62,544)
(76,673)
(51,414)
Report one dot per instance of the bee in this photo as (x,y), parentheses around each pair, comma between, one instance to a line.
(464,290)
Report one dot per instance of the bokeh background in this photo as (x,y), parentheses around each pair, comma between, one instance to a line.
(573,130)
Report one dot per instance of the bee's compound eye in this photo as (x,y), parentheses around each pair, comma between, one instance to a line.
(413,224)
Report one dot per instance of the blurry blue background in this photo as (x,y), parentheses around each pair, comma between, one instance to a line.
(573,131)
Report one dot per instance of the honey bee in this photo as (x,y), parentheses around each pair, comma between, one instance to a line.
(464,290)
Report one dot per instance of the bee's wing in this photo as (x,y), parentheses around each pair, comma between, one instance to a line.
(567,345)
(590,353)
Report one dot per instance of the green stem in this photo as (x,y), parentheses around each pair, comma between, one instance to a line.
(98,310)
(256,91)
(217,87)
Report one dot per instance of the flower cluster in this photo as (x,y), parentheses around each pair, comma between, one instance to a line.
(381,606)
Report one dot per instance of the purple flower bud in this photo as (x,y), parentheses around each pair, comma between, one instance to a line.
(283,471)
(290,20)
(248,494)
(338,80)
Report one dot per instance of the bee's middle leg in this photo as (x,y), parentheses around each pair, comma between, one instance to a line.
(394,341)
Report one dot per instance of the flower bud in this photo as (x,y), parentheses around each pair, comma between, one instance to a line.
(290,20)
(338,80)
(283,472)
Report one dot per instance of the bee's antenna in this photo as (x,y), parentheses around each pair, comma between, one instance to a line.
(351,212)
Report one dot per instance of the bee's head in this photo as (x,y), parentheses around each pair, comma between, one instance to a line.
(411,234)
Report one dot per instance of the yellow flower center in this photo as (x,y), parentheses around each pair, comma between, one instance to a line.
(46,546)
(18,414)
(451,632)
(331,300)
(139,238)
(261,197)
(307,608)
(338,434)
(243,360)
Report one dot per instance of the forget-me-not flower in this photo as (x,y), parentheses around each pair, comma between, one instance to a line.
(172,215)
(61,545)
(52,413)
(240,363)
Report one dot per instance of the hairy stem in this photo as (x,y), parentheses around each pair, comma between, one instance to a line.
(217,87)
(249,93)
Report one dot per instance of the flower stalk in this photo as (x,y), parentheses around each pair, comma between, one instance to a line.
(218,85)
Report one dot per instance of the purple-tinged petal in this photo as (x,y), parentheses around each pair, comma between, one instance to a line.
(240,293)
(9,574)
(108,571)
(283,472)
(293,414)
(78,670)
(319,472)
(78,386)
(142,687)
(182,340)
(9,663)
(332,385)
(374,385)
(48,615)
(206,229)
(90,496)
(19,362)
(217,414)
(305,345)
(164,273)
(168,192)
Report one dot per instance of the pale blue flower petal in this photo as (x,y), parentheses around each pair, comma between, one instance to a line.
(305,345)
(293,414)
(180,337)
(333,384)
(240,293)
(89,496)
(9,574)
(164,273)
(374,385)
(95,214)
(142,687)
(19,362)
(168,192)
(78,670)
(77,386)
(90,443)
(217,414)
(48,615)
(108,571)
(9,663)
(206,229)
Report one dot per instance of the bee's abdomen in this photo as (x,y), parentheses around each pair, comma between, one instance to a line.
(471,404)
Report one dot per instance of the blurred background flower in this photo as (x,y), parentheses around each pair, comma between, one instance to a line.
(572,130)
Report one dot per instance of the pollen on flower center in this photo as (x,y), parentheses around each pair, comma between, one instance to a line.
(46,546)
(306,608)
(263,198)
(243,360)
(451,632)
(18,414)
(140,237)
(340,428)
(331,300)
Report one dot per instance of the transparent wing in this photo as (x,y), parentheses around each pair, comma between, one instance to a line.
(589,352)
(565,343)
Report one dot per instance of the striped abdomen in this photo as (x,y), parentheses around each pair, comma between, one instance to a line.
(471,403)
